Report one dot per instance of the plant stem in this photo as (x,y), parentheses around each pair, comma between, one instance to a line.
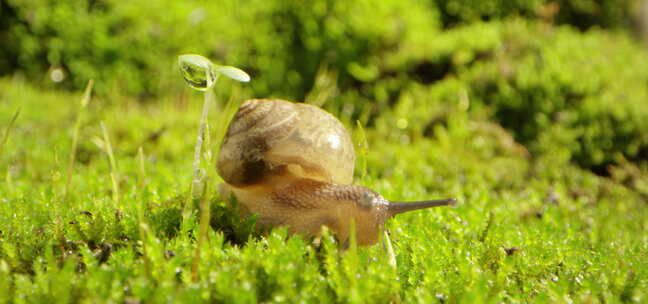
(3,141)
(364,148)
(143,227)
(389,250)
(113,165)
(202,233)
(75,136)
(141,176)
(5,136)
(9,179)
(198,174)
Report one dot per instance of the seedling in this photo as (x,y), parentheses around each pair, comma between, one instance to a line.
(201,74)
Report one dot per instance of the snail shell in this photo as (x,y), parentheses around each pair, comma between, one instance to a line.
(268,134)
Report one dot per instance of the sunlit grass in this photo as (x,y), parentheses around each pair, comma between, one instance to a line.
(526,229)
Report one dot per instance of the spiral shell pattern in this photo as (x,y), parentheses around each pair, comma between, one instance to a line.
(266,134)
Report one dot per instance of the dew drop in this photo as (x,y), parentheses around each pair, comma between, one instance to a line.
(197,71)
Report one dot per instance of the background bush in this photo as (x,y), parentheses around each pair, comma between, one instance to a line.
(580,96)
(582,14)
(583,92)
(136,44)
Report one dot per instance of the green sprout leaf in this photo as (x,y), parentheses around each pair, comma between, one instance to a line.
(197,71)
(233,73)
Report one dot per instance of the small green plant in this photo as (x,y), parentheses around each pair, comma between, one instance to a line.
(201,74)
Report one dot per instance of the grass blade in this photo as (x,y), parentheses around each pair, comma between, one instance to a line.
(113,164)
(75,136)
(5,136)
(202,234)
(141,218)
(141,177)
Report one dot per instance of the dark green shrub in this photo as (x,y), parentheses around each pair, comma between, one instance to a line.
(577,96)
(466,11)
(602,13)
(132,47)
(583,14)
(586,93)
(563,92)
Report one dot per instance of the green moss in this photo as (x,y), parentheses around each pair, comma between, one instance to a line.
(579,237)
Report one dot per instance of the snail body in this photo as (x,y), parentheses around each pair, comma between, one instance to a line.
(292,165)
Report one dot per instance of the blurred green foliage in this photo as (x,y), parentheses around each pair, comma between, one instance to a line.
(576,96)
(130,46)
(582,14)
(580,95)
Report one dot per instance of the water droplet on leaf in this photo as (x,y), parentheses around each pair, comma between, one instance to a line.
(197,71)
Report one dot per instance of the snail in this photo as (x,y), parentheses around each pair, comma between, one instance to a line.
(292,165)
